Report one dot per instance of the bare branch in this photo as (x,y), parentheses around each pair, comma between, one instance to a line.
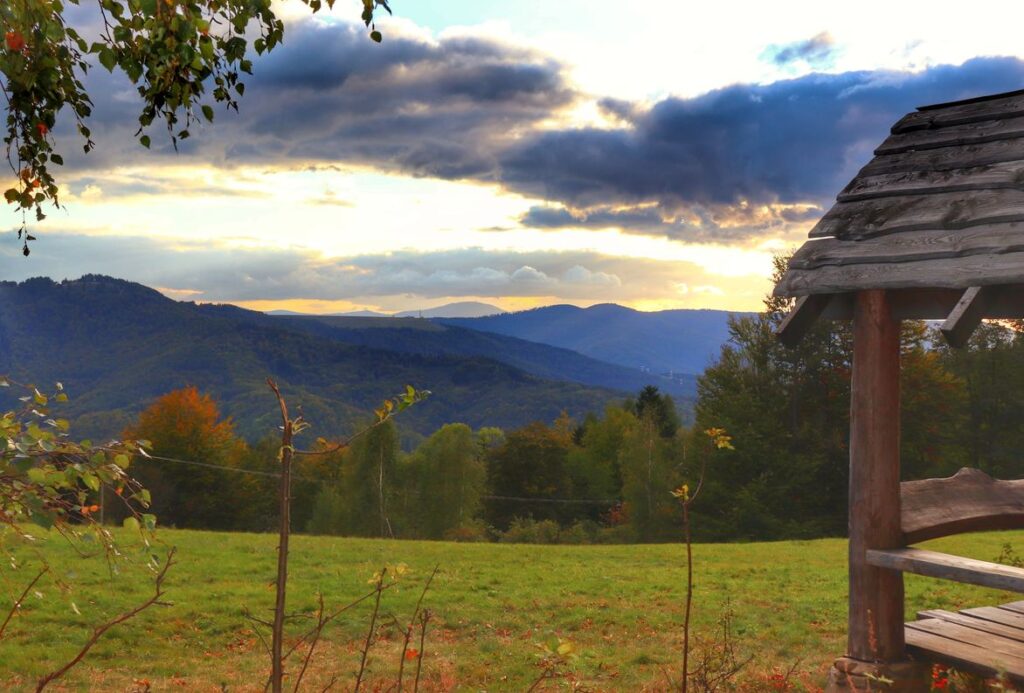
(98,631)
(412,623)
(370,631)
(20,600)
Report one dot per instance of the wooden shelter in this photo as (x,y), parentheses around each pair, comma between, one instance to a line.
(932,228)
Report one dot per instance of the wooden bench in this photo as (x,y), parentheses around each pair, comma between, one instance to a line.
(987,640)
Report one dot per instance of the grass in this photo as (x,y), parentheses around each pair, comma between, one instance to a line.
(621,606)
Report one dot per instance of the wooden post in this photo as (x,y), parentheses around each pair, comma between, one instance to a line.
(876,594)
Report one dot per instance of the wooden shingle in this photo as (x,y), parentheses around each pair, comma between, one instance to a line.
(941,205)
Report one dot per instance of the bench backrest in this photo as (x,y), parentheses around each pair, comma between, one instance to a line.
(968,501)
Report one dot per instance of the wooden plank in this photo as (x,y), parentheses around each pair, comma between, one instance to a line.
(961,656)
(946,273)
(947,567)
(1014,606)
(911,246)
(944,116)
(969,501)
(941,211)
(996,615)
(946,158)
(986,626)
(876,594)
(803,316)
(1011,649)
(965,317)
(955,135)
(1008,174)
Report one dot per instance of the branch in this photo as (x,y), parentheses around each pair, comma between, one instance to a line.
(369,633)
(20,600)
(318,629)
(98,632)
(412,623)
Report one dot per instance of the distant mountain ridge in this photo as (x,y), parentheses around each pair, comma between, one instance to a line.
(679,341)
(117,345)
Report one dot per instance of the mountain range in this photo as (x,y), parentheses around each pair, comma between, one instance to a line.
(117,345)
(661,342)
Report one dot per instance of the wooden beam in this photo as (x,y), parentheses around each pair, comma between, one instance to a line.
(803,316)
(965,318)
(968,501)
(947,567)
(876,594)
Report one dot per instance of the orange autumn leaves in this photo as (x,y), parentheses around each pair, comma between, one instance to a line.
(184,415)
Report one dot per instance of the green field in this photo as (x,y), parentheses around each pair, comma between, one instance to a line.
(621,606)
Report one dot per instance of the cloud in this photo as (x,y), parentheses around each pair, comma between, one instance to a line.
(478,110)
(818,51)
(213,272)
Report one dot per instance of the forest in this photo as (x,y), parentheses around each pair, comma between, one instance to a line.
(609,476)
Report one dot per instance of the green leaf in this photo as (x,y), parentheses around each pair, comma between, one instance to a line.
(208,112)
(37,475)
(107,59)
(376,36)
(144,141)
(57,159)
(131,523)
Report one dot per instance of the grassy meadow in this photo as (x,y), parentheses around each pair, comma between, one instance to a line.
(621,607)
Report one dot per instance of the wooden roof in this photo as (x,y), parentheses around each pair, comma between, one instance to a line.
(941,205)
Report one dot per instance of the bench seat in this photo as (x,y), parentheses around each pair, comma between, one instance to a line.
(988,641)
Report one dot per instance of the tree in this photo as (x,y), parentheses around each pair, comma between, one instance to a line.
(186,426)
(446,478)
(179,54)
(530,464)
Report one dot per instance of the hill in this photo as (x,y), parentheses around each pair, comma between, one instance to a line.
(461,309)
(430,338)
(677,341)
(117,346)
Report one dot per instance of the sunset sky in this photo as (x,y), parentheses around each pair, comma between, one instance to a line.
(518,152)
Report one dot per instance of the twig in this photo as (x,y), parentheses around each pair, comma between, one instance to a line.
(369,633)
(98,632)
(312,645)
(424,620)
(412,622)
(20,600)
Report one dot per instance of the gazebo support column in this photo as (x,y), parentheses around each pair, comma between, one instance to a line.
(875,647)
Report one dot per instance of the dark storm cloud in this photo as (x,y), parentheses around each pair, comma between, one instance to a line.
(817,51)
(440,109)
(793,141)
(472,109)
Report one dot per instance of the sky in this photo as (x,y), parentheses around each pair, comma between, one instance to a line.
(516,152)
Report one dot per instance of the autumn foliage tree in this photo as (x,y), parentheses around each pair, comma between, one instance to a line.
(186,426)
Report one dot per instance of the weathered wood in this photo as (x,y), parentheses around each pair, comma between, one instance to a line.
(876,594)
(996,615)
(900,214)
(949,273)
(803,316)
(991,627)
(1005,647)
(943,115)
(969,501)
(947,567)
(962,656)
(976,132)
(965,317)
(911,246)
(946,158)
(1008,174)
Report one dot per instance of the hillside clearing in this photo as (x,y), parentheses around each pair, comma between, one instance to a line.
(619,605)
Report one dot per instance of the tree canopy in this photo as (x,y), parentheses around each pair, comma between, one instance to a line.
(180,55)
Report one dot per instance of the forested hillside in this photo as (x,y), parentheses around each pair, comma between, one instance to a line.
(428,337)
(680,341)
(117,346)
